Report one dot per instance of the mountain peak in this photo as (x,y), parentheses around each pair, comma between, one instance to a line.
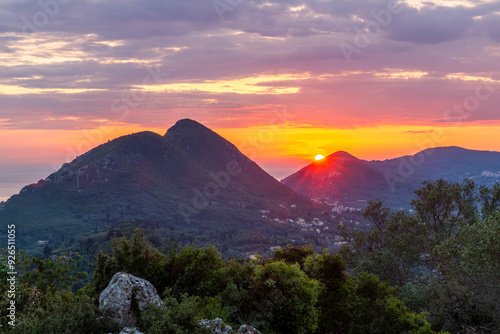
(186,125)
(342,154)
(192,176)
(191,136)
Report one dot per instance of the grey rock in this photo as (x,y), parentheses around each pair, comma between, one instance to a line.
(247,329)
(121,291)
(217,326)
(130,330)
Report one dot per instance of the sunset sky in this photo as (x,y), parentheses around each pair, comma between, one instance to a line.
(282,80)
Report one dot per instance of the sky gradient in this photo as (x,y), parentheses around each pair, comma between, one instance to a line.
(283,80)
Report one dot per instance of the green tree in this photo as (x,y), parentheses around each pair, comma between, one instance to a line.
(196,271)
(442,208)
(66,314)
(47,251)
(176,318)
(328,269)
(373,309)
(490,200)
(443,258)
(49,275)
(284,299)
(293,255)
(135,256)
(391,250)
(359,304)
(472,272)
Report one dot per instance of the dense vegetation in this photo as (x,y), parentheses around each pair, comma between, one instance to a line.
(444,257)
(296,291)
(434,269)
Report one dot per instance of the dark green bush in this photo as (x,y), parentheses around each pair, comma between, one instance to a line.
(177,318)
(62,314)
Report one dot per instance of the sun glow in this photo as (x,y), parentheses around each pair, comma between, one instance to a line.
(319,157)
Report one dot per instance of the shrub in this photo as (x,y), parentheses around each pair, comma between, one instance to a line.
(63,314)
(284,299)
(177,318)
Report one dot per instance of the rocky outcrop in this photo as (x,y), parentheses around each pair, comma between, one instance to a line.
(246,329)
(130,330)
(126,296)
(217,326)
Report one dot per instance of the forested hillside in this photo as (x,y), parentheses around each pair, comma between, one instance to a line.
(433,270)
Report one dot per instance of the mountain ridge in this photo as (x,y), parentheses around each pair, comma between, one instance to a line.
(401,176)
(189,179)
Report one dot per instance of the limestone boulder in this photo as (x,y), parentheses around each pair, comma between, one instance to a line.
(217,326)
(130,330)
(247,329)
(126,296)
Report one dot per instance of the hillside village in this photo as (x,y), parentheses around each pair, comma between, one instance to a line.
(321,231)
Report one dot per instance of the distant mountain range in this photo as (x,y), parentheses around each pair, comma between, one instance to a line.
(190,179)
(349,180)
(192,185)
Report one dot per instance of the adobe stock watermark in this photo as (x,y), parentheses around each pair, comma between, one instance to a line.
(48,10)
(11,275)
(222,179)
(366,35)
(456,114)
(253,144)
(224,6)
(121,108)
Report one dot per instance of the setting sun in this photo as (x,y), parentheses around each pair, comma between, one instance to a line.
(319,157)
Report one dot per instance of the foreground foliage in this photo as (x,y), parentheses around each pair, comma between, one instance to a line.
(297,291)
(436,269)
(444,257)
